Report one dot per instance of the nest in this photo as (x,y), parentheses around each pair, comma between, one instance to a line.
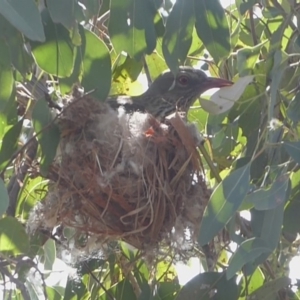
(124,177)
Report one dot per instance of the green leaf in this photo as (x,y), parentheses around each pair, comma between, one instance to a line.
(293,111)
(25,17)
(125,77)
(53,294)
(6,80)
(265,199)
(13,238)
(291,216)
(49,254)
(32,190)
(165,291)
(12,43)
(252,282)
(123,290)
(66,83)
(9,144)
(62,12)
(209,285)
(293,149)
(223,203)
(56,55)
(244,5)
(269,290)
(48,133)
(248,251)
(212,28)
(4,198)
(267,224)
(75,289)
(131,27)
(96,65)
(247,59)
(178,35)
(271,227)
(156,64)
(32,289)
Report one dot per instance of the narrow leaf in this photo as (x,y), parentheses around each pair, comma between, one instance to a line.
(178,35)
(244,5)
(9,144)
(271,226)
(49,254)
(96,66)
(265,199)
(13,238)
(131,27)
(62,12)
(212,27)
(293,149)
(4,198)
(293,111)
(209,285)
(48,136)
(6,85)
(247,58)
(269,290)
(25,17)
(248,251)
(56,55)
(224,202)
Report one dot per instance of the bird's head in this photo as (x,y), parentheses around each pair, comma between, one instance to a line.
(181,91)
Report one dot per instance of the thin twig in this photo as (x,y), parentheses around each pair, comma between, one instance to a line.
(252,25)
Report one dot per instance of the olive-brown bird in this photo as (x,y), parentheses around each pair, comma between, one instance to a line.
(169,93)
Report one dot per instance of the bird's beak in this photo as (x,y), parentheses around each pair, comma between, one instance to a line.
(213,82)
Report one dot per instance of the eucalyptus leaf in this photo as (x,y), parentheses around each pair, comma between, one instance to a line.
(247,252)
(209,285)
(178,35)
(293,149)
(276,194)
(9,143)
(131,27)
(269,290)
(56,55)
(25,17)
(223,203)
(48,133)
(212,28)
(13,238)
(96,66)
(4,198)
(62,12)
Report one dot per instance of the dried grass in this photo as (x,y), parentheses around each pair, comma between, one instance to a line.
(121,177)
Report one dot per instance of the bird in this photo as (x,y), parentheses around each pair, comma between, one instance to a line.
(169,93)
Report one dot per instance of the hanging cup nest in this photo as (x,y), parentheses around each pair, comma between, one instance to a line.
(124,177)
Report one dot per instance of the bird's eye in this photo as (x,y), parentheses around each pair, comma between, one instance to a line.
(183,80)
